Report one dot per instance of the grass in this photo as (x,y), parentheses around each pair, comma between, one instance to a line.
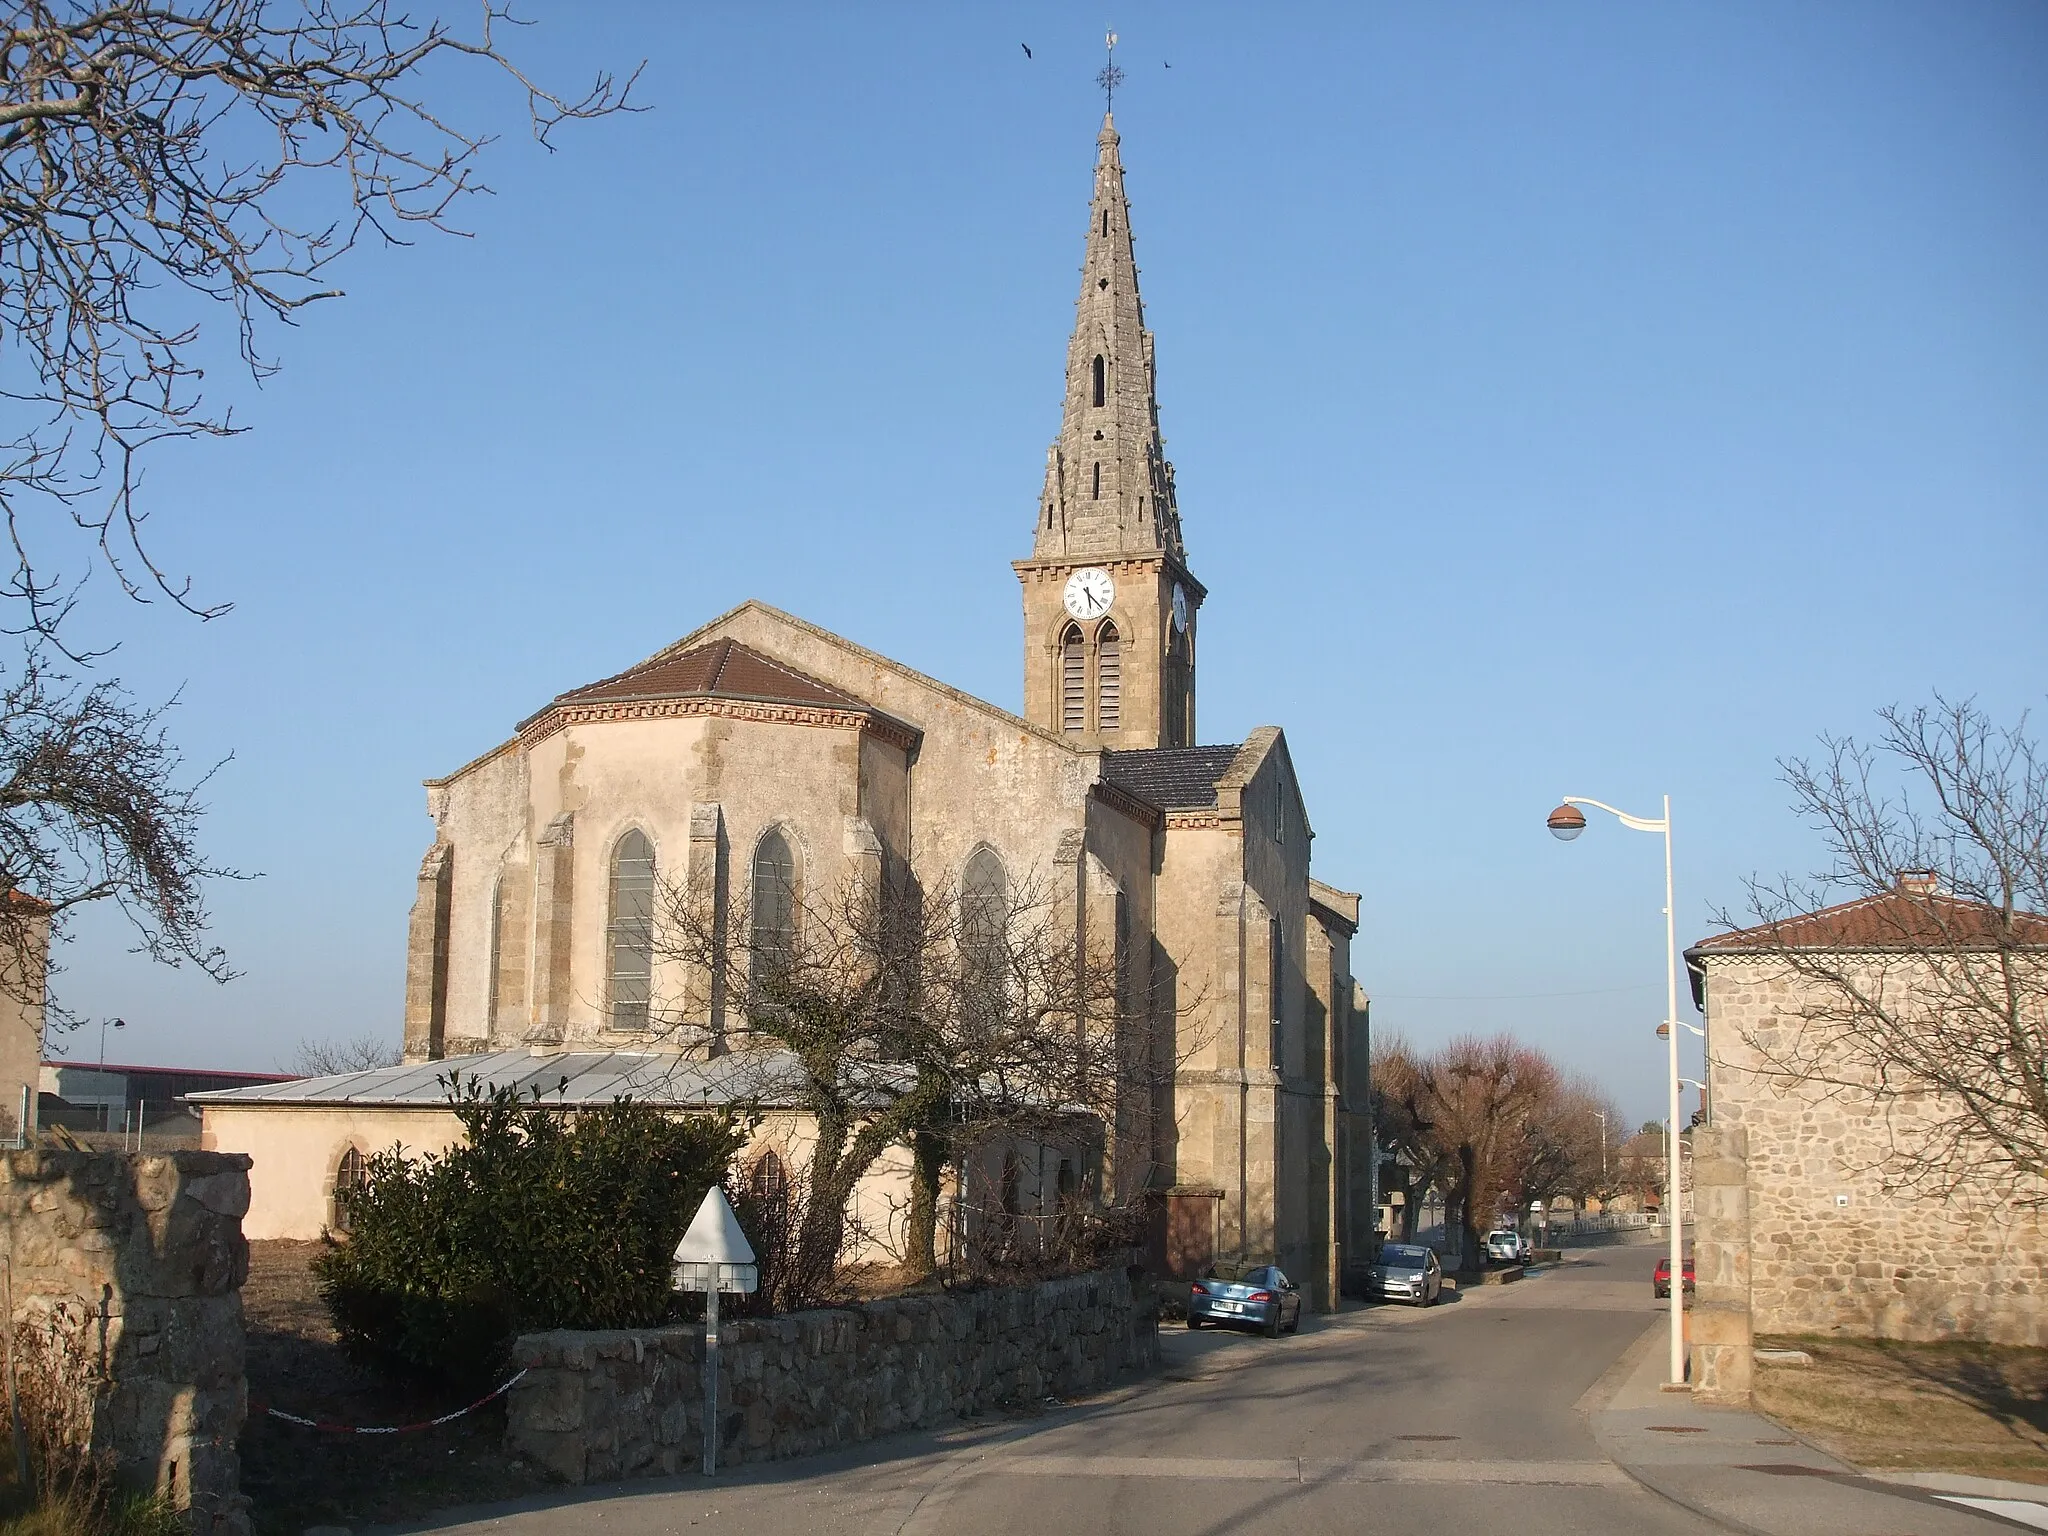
(125,1515)
(1952,1407)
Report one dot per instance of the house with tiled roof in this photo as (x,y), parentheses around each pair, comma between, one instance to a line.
(760,756)
(1841,1188)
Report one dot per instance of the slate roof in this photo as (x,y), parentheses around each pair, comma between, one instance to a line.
(723,669)
(592,1078)
(1172,778)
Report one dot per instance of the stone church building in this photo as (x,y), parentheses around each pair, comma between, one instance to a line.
(762,749)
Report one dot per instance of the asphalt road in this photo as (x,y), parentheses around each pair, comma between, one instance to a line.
(1462,1416)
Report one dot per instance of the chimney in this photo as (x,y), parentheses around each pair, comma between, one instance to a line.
(1917,882)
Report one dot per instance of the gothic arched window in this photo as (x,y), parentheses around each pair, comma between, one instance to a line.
(497,952)
(1073,680)
(774,935)
(351,1178)
(1101,380)
(1179,687)
(984,920)
(1109,679)
(631,930)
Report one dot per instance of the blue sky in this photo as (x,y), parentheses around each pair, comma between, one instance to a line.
(1590,399)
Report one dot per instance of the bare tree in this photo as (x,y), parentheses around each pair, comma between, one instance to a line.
(1921,952)
(1471,1105)
(157,159)
(331,1058)
(895,1017)
(95,805)
(1563,1148)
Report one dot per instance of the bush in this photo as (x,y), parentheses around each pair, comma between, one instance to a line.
(537,1221)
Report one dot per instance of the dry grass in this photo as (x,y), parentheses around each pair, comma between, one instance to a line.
(1977,1408)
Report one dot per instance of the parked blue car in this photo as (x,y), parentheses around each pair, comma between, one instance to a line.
(1237,1295)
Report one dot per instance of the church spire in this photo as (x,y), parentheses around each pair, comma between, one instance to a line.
(1108,487)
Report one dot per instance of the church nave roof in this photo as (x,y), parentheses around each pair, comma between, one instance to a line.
(1172,778)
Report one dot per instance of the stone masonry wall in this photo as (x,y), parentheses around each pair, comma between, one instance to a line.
(146,1252)
(1722,1364)
(596,1406)
(1832,1250)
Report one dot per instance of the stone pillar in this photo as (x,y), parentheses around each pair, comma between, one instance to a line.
(1721,1341)
(426,957)
(123,1274)
(554,903)
(511,935)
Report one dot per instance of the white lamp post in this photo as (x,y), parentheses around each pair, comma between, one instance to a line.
(1566,823)
(713,1256)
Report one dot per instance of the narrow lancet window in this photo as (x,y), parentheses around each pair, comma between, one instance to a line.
(1105,221)
(1073,681)
(1109,679)
(1101,380)
(774,935)
(1098,480)
(631,931)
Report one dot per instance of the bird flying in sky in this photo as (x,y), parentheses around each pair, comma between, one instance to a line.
(1027,49)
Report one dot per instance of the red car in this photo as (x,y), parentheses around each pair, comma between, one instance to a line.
(1662,1283)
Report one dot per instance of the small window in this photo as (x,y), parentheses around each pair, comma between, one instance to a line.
(1101,380)
(1105,221)
(631,930)
(1073,681)
(1109,680)
(351,1178)
(1096,493)
(1279,809)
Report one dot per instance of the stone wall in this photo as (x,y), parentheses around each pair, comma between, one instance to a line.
(1836,1246)
(629,1403)
(146,1253)
(1722,1362)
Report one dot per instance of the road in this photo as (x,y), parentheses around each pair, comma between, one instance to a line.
(1476,1414)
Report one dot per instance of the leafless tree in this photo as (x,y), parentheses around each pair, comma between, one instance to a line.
(892,1016)
(331,1058)
(1927,994)
(1563,1148)
(157,159)
(95,805)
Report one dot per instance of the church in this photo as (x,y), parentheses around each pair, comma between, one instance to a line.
(765,750)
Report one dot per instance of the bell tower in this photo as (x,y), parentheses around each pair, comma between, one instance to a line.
(1109,604)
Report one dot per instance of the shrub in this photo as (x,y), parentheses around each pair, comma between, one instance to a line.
(538,1220)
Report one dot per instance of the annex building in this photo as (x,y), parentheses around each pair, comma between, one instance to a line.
(760,754)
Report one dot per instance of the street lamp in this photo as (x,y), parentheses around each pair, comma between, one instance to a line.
(1603,1142)
(1566,823)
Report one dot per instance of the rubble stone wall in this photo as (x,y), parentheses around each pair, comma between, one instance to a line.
(141,1259)
(1835,1244)
(596,1406)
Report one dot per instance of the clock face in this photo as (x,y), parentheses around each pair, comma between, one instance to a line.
(1089,593)
(1180,608)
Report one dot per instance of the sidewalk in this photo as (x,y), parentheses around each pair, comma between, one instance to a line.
(1739,1469)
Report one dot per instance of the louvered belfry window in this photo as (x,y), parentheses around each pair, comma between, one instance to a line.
(1109,679)
(1073,680)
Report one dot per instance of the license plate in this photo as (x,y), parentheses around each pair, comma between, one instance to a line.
(1229,1306)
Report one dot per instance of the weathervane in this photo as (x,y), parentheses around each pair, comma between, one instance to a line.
(1111,77)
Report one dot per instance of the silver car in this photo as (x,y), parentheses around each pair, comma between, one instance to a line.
(1242,1293)
(1406,1272)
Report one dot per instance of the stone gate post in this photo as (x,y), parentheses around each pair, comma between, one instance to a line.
(1721,1339)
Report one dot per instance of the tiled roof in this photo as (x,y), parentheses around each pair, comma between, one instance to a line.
(723,669)
(1172,778)
(1893,920)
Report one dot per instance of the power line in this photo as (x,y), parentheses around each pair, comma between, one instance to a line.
(1500,997)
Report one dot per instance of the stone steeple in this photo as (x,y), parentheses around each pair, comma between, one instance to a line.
(1108,487)
(1109,604)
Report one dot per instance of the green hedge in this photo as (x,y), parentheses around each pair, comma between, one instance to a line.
(538,1220)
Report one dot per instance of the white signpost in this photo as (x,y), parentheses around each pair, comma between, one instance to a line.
(713,1256)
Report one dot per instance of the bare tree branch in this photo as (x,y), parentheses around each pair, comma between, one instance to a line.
(226,150)
(1927,995)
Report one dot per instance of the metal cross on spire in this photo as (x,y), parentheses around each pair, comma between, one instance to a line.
(1111,77)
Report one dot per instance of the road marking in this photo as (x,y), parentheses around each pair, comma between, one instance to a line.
(1289,1469)
(2019,1511)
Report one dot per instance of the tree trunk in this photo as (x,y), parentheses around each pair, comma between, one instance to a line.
(1473,1250)
(928,1163)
